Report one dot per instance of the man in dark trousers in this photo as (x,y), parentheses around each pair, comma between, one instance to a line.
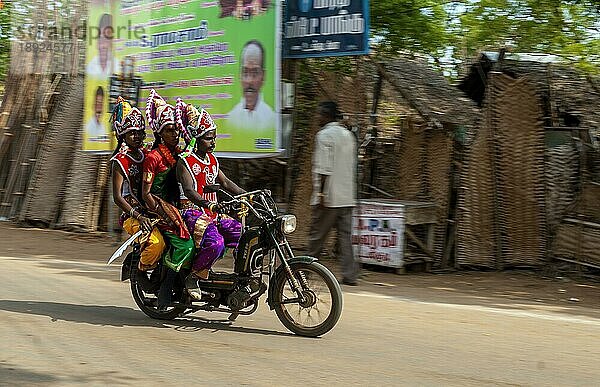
(334,188)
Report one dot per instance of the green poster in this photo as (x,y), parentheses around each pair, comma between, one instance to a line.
(222,56)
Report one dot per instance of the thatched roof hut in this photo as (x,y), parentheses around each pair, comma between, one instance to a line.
(532,154)
(429,93)
(568,96)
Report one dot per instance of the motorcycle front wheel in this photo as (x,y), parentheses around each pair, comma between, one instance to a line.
(147,300)
(322,306)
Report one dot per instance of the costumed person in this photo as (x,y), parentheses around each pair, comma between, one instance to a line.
(160,191)
(197,168)
(130,129)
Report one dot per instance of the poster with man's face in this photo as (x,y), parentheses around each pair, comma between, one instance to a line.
(218,55)
(100,65)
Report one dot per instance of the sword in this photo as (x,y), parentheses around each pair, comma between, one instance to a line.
(129,241)
(124,247)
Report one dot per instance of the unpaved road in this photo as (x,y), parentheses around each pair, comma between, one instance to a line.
(65,319)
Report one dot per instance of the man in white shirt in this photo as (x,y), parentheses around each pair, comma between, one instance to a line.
(252,113)
(95,129)
(334,189)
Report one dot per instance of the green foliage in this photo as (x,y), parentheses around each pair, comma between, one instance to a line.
(416,25)
(564,27)
(5,25)
(450,31)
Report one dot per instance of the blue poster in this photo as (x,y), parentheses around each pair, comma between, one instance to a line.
(318,28)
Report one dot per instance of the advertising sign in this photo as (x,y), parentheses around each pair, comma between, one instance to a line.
(317,28)
(100,65)
(222,56)
(378,234)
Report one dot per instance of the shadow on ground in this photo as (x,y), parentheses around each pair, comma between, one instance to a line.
(11,375)
(119,316)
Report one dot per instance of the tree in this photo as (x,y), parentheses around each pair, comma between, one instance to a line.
(5,25)
(453,31)
(415,25)
(565,27)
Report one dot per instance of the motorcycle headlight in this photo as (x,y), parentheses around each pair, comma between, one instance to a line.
(288,224)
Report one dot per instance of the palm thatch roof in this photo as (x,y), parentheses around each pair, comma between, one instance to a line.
(430,93)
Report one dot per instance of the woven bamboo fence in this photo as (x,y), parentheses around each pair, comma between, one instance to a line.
(561,169)
(502,204)
(476,233)
(519,161)
(579,242)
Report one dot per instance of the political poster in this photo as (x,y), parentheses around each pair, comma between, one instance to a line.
(222,56)
(100,65)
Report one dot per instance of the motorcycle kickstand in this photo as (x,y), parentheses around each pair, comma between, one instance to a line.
(233,316)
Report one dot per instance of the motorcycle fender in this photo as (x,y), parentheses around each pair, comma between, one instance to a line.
(281,271)
(126,268)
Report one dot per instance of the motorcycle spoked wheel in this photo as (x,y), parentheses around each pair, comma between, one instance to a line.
(147,302)
(323,306)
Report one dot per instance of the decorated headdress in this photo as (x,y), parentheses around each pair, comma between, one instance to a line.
(192,123)
(158,112)
(125,118)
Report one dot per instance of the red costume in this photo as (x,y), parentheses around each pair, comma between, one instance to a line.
(204,173)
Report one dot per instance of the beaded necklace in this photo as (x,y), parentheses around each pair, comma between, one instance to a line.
(166,153)
(130,154)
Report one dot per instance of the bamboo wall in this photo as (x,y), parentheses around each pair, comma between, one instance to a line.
(502,214)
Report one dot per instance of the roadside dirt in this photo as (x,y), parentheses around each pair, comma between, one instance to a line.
(508,289)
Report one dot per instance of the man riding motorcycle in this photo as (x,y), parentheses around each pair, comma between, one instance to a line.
(197,168)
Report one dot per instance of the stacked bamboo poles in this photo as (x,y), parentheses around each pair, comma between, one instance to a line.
(85,192)
(44,202)
(33,86)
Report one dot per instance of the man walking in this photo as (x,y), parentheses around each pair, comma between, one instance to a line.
(334,188)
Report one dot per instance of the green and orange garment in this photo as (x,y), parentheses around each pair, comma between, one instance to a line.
(156,168)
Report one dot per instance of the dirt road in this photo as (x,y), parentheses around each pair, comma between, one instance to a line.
(65,319)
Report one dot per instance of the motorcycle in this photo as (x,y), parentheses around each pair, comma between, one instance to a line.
(304,294)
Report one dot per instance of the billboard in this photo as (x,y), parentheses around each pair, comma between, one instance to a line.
(318,28)
(100,65)
(222,56)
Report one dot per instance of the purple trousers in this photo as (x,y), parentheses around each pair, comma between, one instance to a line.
(210,237)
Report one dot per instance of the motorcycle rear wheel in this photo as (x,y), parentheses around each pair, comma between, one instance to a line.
(148,302)
(323,306)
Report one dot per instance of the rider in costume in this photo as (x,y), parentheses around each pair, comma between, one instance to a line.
(129,126)
(160,191)
(197,168)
